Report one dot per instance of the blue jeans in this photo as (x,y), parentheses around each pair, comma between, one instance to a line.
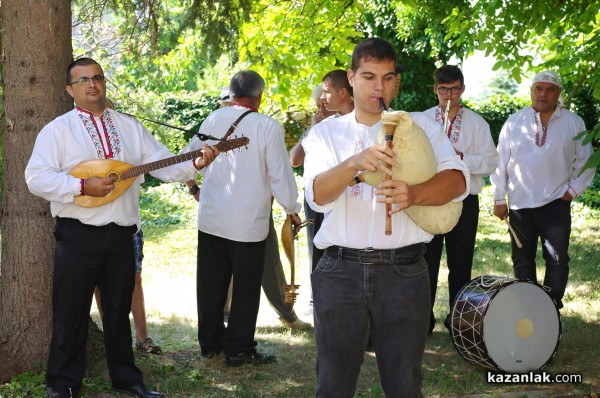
(138,249)
(384,293)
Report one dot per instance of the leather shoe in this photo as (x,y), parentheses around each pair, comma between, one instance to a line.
(70,393)
(253,358)
(140,391)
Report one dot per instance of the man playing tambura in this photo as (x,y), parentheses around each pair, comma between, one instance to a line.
(539,170)
(367,279)
(470,136)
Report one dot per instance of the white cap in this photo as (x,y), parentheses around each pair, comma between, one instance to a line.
(225,96)
(547,76)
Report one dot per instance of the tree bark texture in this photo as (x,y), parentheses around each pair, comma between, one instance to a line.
(36,44)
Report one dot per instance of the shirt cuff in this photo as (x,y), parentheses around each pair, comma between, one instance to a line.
(78,187)
(499,202)
(572,192)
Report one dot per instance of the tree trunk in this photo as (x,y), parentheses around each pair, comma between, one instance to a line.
(95,345)
(36,43)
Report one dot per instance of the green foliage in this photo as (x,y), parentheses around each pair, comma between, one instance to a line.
(293,44)
(531,36)
(167,204)
(28,384)
(188,111)
(418,41)
(183,110)
(159,43)
(497,109)
(585,105)
(591,196)
(173,46)
(502,83)
(294,125)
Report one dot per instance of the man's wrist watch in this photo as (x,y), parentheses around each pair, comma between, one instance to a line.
(193,189)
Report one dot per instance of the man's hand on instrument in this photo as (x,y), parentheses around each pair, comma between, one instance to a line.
(501,211)
(296,220)
(209,153)
(395,192)
(98,187)
(375,157)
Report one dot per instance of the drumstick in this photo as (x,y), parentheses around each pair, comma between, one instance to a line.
(389,136)
(514,234)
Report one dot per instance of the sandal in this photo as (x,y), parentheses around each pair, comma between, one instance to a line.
(147,345)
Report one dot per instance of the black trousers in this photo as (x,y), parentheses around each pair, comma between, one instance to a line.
(86,256)
(314,253)
(460,246)
(220,260)
(550,223)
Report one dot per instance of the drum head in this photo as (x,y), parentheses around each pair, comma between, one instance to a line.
(521,328)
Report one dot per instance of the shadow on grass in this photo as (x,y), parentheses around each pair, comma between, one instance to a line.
(182,372)
(447,374)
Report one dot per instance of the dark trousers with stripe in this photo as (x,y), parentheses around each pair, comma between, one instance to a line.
(85,257)
(220,260)
(550,223)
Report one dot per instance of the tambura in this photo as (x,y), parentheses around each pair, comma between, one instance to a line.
(505,324)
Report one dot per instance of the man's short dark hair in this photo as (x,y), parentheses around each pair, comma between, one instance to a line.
(246,83)
(449,74)
(373,49)
(338,78)
(79,62)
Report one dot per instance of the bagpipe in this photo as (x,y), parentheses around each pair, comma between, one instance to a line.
(416,165)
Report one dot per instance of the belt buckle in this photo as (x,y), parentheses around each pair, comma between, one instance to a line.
(365,251)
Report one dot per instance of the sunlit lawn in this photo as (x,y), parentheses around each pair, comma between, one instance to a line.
(169,280)
(169,273)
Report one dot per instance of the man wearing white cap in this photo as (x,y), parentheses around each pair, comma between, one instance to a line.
(539,169)
(225,97)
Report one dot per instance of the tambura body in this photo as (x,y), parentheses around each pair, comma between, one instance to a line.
(505,324)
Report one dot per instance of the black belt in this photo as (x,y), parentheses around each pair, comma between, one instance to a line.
(369,256)
(78,222)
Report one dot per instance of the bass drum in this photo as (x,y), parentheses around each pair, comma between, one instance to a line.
(505,324)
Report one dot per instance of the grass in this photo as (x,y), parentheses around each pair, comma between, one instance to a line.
(169,284)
